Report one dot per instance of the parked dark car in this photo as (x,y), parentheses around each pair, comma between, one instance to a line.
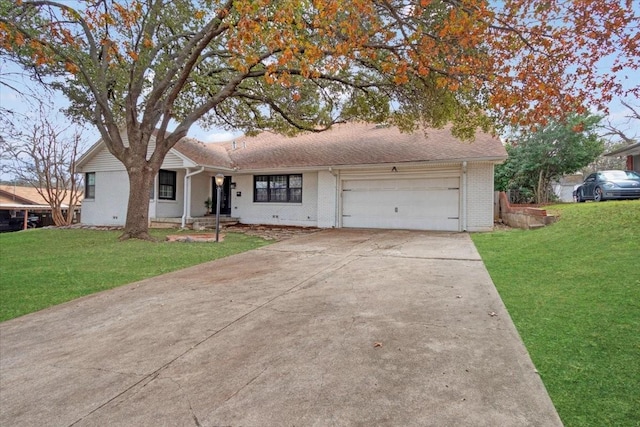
(16,223)
(609,185)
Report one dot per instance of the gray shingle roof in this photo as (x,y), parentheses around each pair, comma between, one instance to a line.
(343,144)
(204,154)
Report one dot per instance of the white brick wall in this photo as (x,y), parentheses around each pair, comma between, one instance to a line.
(110,204)
(112,196)
(318,207)
(200,191)
(479,197)
(327,198)
(172,208)
(300,214)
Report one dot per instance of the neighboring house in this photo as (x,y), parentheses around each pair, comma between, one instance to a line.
(632,153)
(566,185)
(16,200)
(353,175)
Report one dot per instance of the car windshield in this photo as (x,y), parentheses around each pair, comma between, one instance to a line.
(618,175)
(632,175)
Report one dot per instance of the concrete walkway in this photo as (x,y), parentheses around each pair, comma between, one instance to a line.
(340,327)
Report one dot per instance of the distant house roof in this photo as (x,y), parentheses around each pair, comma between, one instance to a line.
(629,150)
(342,145)
(21,197)
(13,194)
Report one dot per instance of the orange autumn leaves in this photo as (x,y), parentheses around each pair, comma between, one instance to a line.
(524,60)
(565,56)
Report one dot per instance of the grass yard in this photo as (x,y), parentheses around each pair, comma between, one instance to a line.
(573,291)
(41,268)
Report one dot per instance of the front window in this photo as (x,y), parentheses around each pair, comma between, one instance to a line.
(166,185)
(90,185)
(277,188)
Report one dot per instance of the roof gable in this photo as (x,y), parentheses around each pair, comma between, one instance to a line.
(190,151)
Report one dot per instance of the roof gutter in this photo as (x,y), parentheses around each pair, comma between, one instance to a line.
(464,196)
(629,150)
(337,167)
(336,200)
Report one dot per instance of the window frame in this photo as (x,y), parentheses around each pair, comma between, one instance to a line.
(274,188)
(172,184)
(89,189)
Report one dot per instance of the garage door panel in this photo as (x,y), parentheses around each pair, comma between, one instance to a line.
(402,184)
(424,204)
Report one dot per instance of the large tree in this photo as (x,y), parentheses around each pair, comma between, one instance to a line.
(537,157)
(41,151)
(137,66)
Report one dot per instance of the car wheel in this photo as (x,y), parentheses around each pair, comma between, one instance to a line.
(597,195)
(579,196)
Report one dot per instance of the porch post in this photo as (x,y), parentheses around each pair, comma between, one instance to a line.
(186,208)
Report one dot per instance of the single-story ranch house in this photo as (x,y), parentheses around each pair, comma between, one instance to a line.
(632,154)
(353,175)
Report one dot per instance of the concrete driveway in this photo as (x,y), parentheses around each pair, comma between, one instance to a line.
(340,327)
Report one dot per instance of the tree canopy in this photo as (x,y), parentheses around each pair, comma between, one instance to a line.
(155,67)
(537,158)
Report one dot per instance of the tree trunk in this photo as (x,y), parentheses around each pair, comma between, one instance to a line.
(70,213)
(540,188)
(56,215)
(137,224)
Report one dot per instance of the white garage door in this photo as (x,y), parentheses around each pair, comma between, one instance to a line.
(414,204)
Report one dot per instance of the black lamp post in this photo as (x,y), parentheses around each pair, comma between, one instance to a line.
(219,182)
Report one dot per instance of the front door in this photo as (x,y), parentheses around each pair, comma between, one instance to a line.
(225,199)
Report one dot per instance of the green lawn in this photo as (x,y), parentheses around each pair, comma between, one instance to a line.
(573,291)
(40,268)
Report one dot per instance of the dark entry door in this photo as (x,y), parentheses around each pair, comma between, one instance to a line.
(225,199)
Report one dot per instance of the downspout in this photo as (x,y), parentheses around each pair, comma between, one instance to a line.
(336,208)
(186,209)
(464,196)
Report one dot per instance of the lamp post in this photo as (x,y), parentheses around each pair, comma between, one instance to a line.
(219,182)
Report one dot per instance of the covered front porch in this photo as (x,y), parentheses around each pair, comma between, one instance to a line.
(187,198)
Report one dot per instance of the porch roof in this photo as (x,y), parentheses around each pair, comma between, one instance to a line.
(213,155)
(629,150)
